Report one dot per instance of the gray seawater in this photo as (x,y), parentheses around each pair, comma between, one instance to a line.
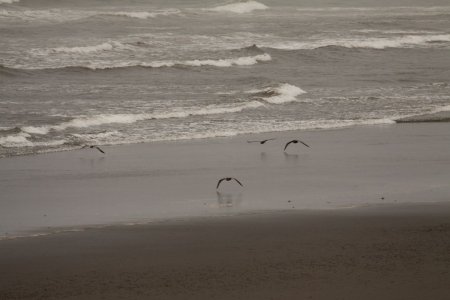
(115,72)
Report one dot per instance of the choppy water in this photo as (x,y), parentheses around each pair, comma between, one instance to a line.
(111,72)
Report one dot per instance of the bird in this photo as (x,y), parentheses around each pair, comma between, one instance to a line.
(227,179)
(93,147)
(295,142)
(261,142)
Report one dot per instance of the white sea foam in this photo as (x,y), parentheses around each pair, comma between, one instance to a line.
(102,119)
(16,140)
(98,137)
(380,9)
(50,15)
(8,1)
(282,94)
(34,130)
(229,62)
(107,46)
(240,8)
(403,41)
(144,14)
(441,109)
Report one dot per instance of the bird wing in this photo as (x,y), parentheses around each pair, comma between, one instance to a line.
(304,144)
(287,145)
(218,183)
(238,182)
(98,148)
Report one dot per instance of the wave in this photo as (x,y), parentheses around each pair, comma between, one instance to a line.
(22,140)
(404,9)
(98,120)
(229,62)
(440,114)
(277,95)
(108,65)
(8,1)
(64,15)
(240,8)
(371,43)
(50,15)
(107,46)
(144,14)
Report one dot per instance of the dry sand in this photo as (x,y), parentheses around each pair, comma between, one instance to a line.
(389,252)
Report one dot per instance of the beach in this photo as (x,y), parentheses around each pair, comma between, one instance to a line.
(363,213)
(270,149)
(390,252)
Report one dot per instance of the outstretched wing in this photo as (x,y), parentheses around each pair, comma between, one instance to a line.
(287,145)
(218,183)
(268,140)
(98,148)
(304,144)
(238,182)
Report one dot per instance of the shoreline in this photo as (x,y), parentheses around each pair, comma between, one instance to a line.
(371,253)
(432,117)
(212,138)
(362,208)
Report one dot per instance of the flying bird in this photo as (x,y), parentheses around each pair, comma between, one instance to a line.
(93,147)
(295,142)
(261,142)
(227,179)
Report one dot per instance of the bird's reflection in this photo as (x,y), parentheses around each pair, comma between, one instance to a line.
(291,158)
(93,162)
(263,156)
(228,199)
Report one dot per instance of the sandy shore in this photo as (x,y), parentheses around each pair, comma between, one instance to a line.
(400,163)
(284,236)
(387,252)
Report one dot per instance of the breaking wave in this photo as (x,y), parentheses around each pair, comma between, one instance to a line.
(144,14)
(372,43)
(49,15)
(81,50)
(277,95)
(108,65)
(21,139)
(229,62)
(240,8)
(439,114)
(97,120)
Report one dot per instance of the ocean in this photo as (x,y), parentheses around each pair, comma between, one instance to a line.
(118,72)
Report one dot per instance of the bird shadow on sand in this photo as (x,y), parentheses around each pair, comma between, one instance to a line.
(227,199)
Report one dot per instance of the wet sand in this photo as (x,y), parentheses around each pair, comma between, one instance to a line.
(350,167)
(385,252)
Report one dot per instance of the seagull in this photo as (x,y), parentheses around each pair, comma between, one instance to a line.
(295,142)
(93,147)
(261,142)
(227,179)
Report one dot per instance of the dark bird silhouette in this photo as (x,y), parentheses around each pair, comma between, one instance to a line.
(93,147)
(261,142)
(295,142)
(227,179)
